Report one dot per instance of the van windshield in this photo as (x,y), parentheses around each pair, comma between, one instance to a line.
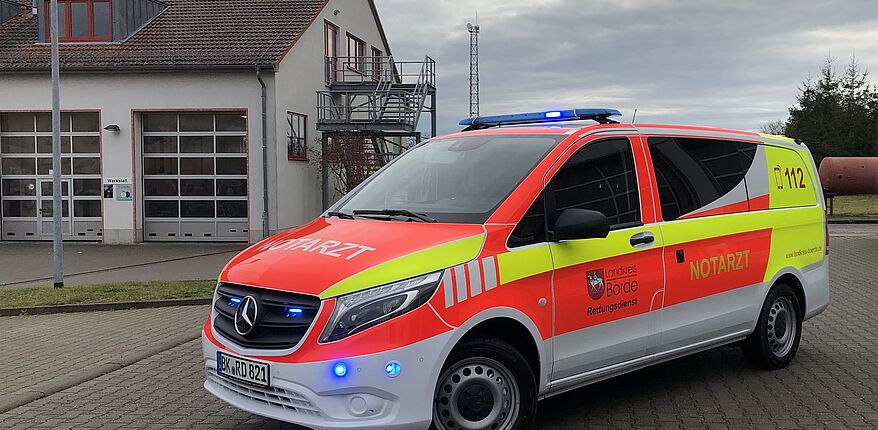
(453,180)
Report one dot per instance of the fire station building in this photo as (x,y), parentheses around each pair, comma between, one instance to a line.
(180,119)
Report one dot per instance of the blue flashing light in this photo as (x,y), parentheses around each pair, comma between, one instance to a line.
(340,369)
(294,312)
(234,301)
(392,369)
(540,117)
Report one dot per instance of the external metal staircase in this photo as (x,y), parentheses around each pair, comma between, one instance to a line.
(376,94)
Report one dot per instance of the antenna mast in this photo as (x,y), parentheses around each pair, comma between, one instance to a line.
(473,68)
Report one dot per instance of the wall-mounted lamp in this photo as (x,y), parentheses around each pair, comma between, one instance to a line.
(113,127)
(336,12)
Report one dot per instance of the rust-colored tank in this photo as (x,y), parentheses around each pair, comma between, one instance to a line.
(850,175)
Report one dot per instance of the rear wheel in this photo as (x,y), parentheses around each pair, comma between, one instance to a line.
(774,343)
(486,384)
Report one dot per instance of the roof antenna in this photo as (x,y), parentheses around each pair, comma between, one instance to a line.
(634,118)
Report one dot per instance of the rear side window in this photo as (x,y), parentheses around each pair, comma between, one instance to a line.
(692,173)
(599,177)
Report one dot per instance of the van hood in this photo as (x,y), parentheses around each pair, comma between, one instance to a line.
(330,257)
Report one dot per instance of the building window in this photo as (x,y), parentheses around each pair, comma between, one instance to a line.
(356,54)
(297,136)
(82,21)
(330,49)
(376,63)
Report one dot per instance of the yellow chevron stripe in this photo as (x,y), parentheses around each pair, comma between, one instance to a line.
(411,265)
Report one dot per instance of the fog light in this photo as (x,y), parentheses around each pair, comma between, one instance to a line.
(392,369)
(340,369)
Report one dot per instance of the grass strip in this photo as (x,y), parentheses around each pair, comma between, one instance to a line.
(857,205)
(105,293)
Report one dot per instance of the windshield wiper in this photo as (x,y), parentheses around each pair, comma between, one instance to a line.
(339,214)
(395,212)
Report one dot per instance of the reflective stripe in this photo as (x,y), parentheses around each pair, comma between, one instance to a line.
(475,278)
(490,270)
(460,281)
(447,286)
(470,280)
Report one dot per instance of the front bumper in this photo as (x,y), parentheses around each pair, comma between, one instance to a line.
(309,394)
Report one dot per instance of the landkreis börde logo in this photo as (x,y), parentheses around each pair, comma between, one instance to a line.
(595,282)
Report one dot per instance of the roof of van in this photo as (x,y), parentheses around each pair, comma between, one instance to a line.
(573,126)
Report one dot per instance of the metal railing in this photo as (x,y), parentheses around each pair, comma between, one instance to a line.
(355,70)
(395,94)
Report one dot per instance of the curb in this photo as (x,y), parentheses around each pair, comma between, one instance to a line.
(870,220)
(48,388)
(94,307)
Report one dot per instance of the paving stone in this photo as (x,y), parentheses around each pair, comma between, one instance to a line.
(832,383)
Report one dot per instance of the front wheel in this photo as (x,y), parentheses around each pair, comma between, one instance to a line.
(776,339)
(487,384)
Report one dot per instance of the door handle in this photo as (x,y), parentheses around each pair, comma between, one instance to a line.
(642,238)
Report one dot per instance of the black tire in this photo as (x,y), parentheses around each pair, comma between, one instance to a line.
(772,345)
(475,371)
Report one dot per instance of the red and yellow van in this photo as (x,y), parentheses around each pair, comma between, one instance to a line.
(484,270)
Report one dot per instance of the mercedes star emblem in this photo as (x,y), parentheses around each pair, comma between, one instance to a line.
(245,317)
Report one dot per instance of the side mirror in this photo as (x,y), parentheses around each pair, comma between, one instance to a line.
(581,224)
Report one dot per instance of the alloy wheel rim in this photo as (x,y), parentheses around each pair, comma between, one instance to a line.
(478,393)
(781,326)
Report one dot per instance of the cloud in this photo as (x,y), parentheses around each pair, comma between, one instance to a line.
(727,64)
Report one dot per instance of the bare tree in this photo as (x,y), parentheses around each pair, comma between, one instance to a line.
(350,159)
(778,127)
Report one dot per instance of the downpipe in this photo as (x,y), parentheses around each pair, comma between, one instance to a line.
(265,228)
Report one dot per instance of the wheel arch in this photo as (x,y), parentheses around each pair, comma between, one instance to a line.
(792,277)
(513,326)
(796,284)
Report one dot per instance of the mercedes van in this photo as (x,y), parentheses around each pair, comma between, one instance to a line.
(528,255)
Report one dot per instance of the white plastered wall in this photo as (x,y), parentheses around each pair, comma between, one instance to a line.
(119,96)
(300,75)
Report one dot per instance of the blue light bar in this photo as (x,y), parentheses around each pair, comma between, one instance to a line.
(599,115)
(294,312)
(234,301)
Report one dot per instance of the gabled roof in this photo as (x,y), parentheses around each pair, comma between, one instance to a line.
(189,34)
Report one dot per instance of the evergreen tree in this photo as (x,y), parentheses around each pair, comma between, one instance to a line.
(837,115)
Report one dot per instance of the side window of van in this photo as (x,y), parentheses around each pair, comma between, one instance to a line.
(691,173)
(601,177)
(532,227)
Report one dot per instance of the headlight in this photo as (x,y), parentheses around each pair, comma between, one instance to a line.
(358,311)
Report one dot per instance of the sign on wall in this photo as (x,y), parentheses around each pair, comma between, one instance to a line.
(119,189)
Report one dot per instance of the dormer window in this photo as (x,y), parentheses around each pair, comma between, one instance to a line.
(82,21)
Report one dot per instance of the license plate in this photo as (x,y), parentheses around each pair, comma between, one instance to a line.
(242,369)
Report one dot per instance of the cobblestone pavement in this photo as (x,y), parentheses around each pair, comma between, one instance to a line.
(833,382)
(45,353)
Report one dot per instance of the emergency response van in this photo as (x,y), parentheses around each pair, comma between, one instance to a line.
(528,255)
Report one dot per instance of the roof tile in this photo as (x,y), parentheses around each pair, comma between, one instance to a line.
(193,34)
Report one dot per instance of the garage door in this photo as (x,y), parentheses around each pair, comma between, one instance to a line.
(195,176)
(26,180)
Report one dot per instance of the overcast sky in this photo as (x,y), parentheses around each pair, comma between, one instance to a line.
(731,63)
